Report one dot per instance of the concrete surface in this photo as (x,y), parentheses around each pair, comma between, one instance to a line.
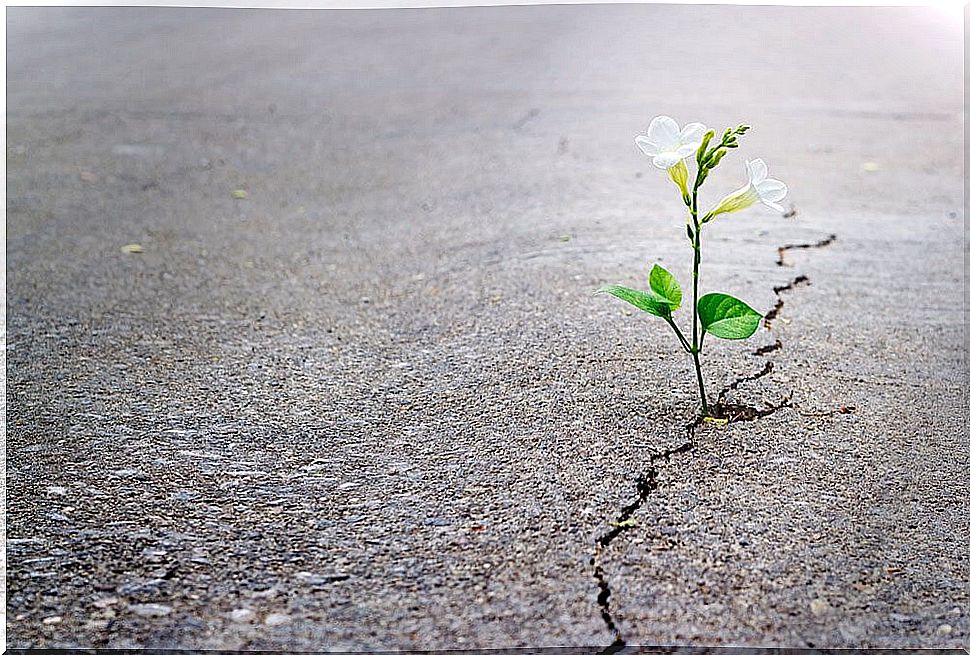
(373,404)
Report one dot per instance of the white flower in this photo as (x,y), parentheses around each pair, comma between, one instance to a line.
(760,188)
(667,143)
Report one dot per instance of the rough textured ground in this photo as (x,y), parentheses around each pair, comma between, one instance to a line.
(373,404)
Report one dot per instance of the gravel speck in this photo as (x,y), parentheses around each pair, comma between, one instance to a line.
(318,579)
(276,618)
(150,610)
(242,615)
(107,601)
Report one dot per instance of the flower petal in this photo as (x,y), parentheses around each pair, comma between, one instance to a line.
(757,170)
(735,201)
(666,159)
(647,146)
(772,190)
(774,205)
(687,149)
(693,132)
(664,132)
(679,174)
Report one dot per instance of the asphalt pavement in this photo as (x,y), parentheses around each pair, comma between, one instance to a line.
(302,351)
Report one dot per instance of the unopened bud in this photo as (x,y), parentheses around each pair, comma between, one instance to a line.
(703,149)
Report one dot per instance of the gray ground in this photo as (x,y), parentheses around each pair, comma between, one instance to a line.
(373,405)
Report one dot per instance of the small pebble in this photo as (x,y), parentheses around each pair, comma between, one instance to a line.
(316,579)
(266,593)
(154,553)
(944,630)
(277,619)
(129,473)
(52,620)
(242,615)
(150,610)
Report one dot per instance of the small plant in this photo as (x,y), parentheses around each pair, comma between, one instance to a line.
(719,314)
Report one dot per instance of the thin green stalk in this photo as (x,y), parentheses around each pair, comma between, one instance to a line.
(695,344)
(680,335)
(700,383)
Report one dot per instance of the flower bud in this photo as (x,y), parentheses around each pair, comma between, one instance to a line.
(679,174)
(733,202)
(707,139)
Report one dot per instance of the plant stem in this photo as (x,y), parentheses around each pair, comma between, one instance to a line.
(700,383)
(680,335)
(695,346)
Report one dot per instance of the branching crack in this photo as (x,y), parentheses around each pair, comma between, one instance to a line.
(604,599)
(764,350)
(741,413)
(795,246)
(765,370)
(841,409)
(773,313)
(647,482)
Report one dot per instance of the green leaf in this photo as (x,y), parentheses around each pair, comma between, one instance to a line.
(664,285)
(646,301)
(727,317)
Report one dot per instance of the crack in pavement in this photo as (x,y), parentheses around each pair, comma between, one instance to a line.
(765,370)
(529,115)
(773,313)
(646,483)
(734,413)
(795,246)
(801,279)
(841,409)
(764,350)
